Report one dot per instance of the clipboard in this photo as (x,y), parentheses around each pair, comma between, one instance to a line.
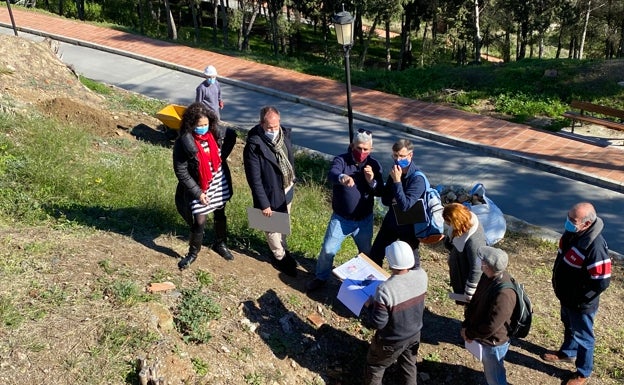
(360,265)
(415,214)
(360,277)
(276,223)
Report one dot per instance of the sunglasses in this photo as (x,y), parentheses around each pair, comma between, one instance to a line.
(363,131)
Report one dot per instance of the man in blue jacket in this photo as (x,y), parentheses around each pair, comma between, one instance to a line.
(403,188)
(356,178)
(581,272)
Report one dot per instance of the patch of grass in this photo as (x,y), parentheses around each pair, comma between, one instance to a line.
(117,335)
(126,292)
(200,366)
(432,357)
(194,314)
(254,378)
(106,266)
(128,101)
(204,278)
(524,106)
(10,316)
(95,86)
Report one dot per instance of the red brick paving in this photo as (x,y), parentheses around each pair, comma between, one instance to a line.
(605,163)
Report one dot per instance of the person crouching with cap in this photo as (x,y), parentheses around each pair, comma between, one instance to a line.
(396,313)
(489,314)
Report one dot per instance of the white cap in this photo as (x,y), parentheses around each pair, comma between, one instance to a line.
(210,71)
(400,255)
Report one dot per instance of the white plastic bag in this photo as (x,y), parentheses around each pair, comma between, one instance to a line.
(490,215)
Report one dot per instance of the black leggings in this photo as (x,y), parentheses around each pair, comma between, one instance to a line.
(199,220)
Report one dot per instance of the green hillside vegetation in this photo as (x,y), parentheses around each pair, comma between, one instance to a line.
(517,90)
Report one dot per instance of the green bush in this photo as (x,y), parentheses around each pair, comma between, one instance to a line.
(194,314)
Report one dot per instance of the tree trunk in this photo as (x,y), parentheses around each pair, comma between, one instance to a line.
(172,32)
(80,4)
(225,25)
(406,42)
(366,44)
(559,42)
(507,47)
(477,36)
(215,22)
(388,46)
(247,30)
(194,6)
(621,49)
(423,47)
(584,33)
(523,40)
(274,33)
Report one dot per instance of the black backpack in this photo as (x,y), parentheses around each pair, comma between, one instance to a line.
(523,312)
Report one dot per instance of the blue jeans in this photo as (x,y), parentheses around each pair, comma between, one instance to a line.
(578,338)
(493,363)
(338,229)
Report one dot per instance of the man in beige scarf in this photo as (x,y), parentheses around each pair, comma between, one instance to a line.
(269,168)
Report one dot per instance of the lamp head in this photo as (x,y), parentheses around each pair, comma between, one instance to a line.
(343,23)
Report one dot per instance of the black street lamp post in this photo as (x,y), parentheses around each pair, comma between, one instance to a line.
(343,23)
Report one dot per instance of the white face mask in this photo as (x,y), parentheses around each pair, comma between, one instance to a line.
(272,135)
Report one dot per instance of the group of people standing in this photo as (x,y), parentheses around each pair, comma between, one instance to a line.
(581,271)
(204,181)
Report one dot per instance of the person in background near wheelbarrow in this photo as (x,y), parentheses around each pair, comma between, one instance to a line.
(204,181)
(209,91)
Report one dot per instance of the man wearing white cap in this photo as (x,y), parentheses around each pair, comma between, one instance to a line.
(396,312)
(209,91)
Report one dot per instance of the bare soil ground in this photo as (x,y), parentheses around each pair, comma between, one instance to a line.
(264,335)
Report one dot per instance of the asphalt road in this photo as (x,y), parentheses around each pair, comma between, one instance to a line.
(531,195)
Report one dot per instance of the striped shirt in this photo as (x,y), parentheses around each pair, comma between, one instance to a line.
(218,192)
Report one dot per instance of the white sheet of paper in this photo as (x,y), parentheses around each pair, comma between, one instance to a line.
(353,293)
(360,276)
(276,223)
(475,348)
(360,267)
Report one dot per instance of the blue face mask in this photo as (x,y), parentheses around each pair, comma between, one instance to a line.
(404,162)
(201,130)
(569,226)
(271,135)
(212,80)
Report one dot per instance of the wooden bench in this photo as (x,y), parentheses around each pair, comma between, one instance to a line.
(588,111)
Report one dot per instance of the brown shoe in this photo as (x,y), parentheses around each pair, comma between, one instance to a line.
(577,379)
(552,356)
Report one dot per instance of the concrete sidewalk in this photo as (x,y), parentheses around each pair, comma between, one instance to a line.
(558,154)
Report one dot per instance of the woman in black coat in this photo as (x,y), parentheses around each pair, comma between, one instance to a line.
(204,182)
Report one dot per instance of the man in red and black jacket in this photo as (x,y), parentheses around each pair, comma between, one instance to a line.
(581,272)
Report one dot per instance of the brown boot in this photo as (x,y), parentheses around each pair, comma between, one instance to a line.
(577,379)
(552,356)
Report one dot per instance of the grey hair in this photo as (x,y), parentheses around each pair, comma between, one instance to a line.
(591,214)
(362,137)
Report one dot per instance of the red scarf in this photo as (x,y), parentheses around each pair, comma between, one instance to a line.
(205,160)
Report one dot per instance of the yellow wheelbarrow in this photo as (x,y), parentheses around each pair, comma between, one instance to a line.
(171,117)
